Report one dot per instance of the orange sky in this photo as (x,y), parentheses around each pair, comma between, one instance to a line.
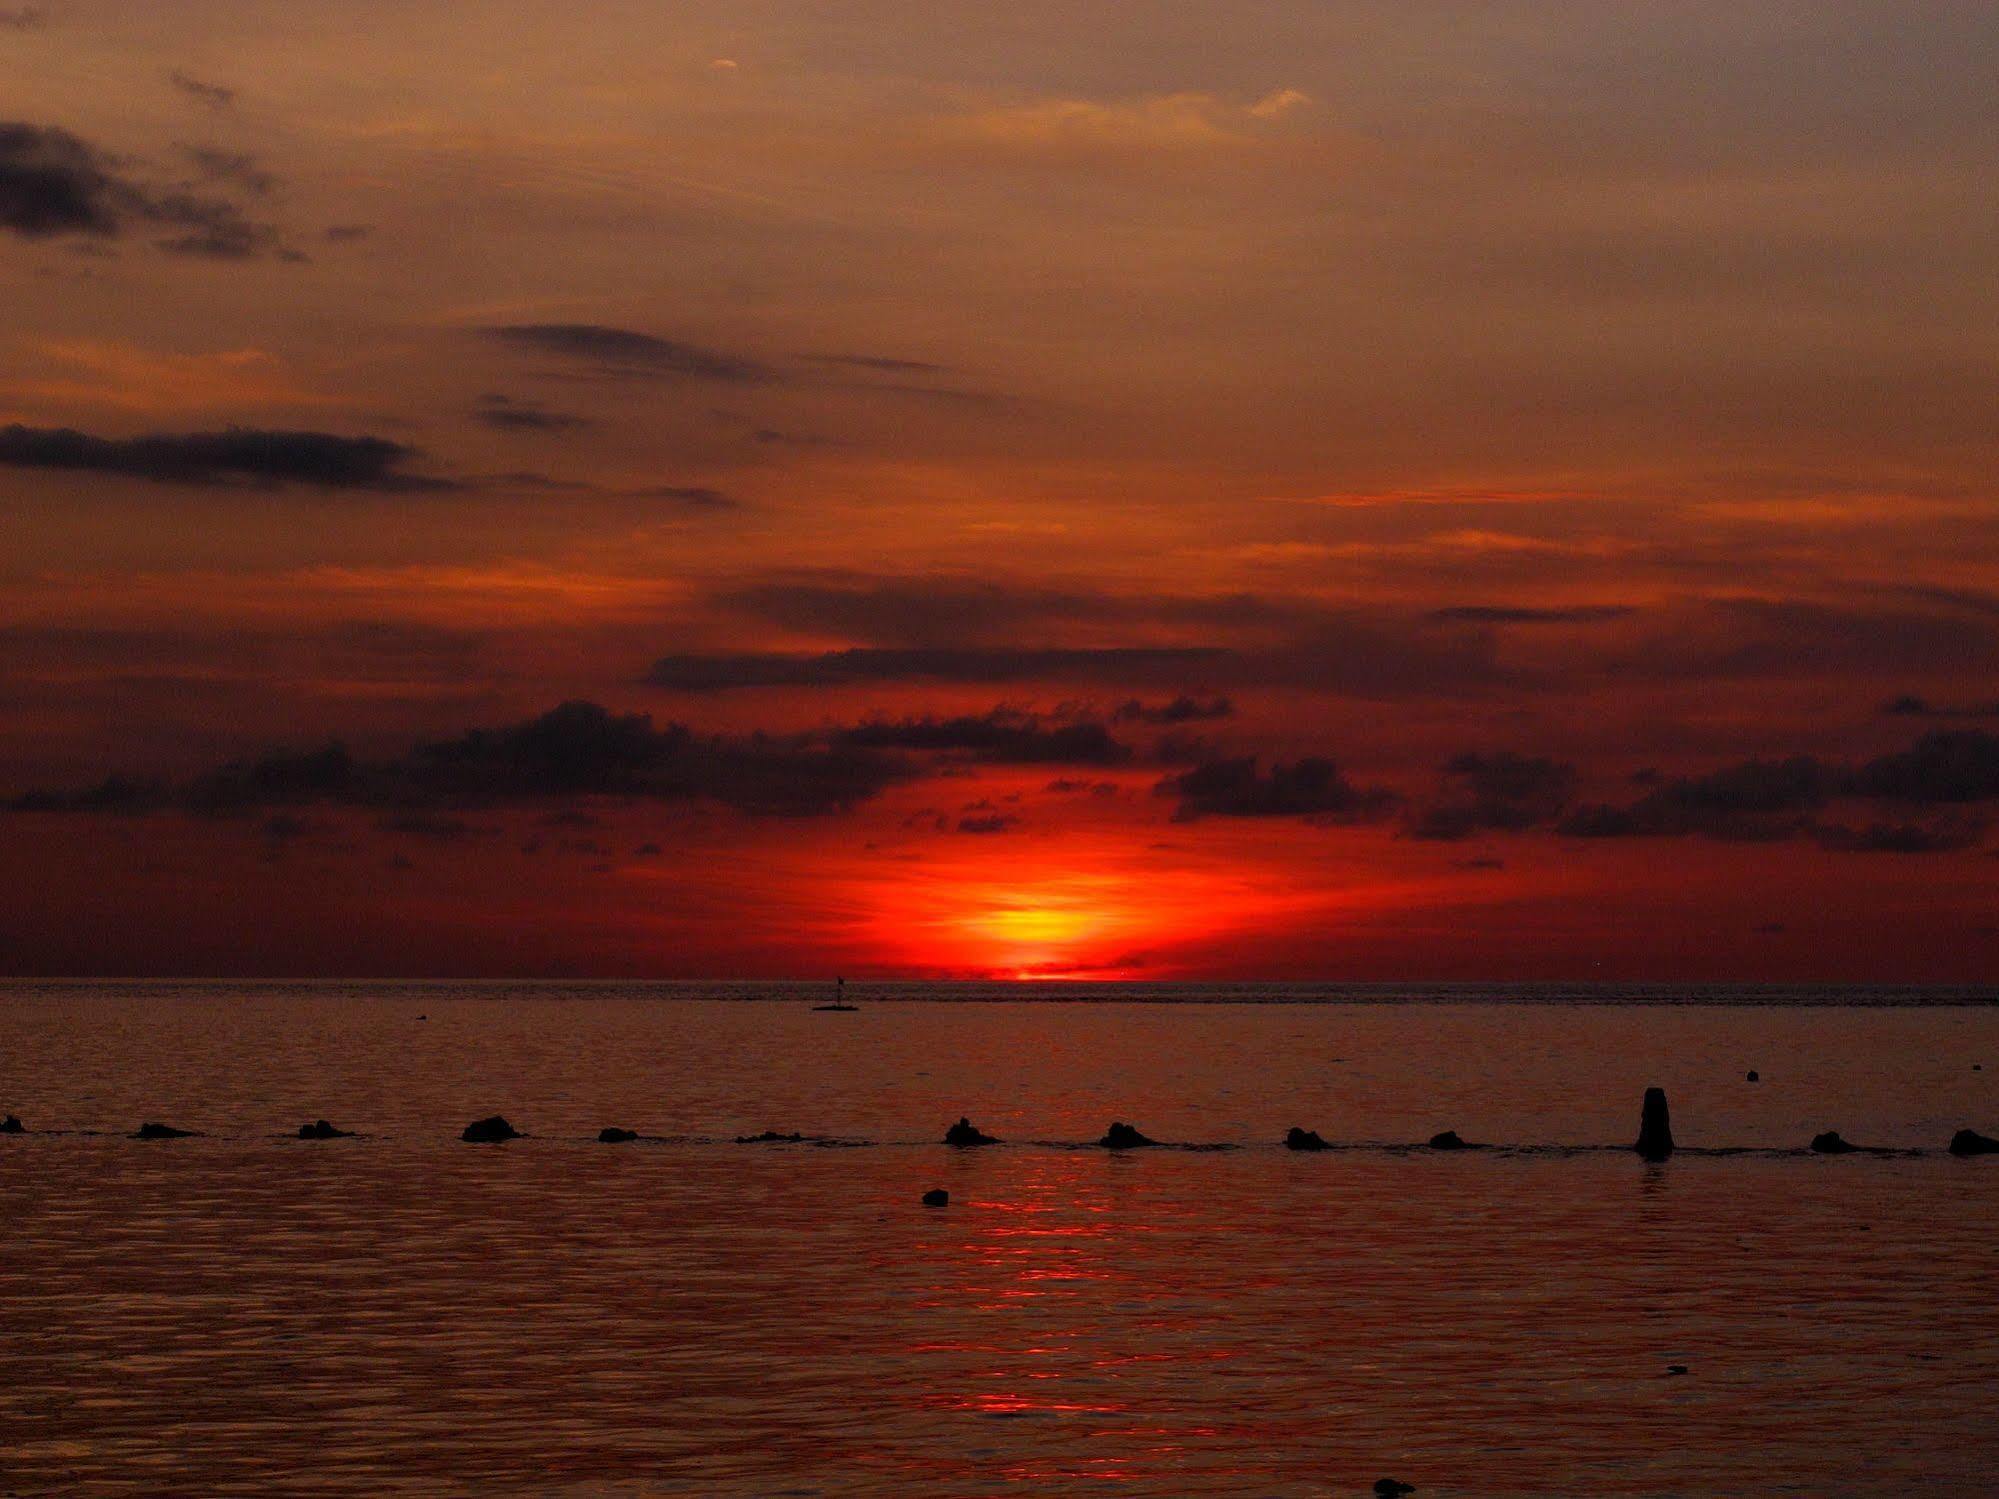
(984,431)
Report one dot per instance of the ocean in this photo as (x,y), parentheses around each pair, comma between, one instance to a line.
(244,1313)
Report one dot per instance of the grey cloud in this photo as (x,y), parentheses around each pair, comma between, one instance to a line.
(211,95)
(510,415)
(626,353)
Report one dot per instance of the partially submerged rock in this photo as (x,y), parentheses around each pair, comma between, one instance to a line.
(1755,1076)
(1388,1488)
(1121,1136)
(964,1132)
(1449,1139)
(319,1129)
(1970,1142)
(151,1131)
(1830,1143)
(12,1125)
(772,1137)
(1655,1127)
(936,1197)
(1304,1139)
(491,1131)
(612,1135)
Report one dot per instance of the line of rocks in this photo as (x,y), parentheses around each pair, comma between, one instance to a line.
(1654,1143)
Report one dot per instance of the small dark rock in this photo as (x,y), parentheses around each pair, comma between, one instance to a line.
(12,1125)
(1675,1370)
(936,1197)
(1450,1139)
(319,1129)
(1123,1137)
(1970,1142)
(964,1132)
(1304,1139)
(1655,1127)
(161,1132)
(1830,1143)
(490,1131)
(770,1137)
(1388,1488)
(612,1135)
(1754,1076)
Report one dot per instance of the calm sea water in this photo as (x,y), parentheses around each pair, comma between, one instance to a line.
(242,1313)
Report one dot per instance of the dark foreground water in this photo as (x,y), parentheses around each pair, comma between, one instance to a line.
(243,1313)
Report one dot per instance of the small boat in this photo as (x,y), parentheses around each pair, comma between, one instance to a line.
(839,999)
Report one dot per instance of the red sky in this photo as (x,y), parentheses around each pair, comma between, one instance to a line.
(1315,489)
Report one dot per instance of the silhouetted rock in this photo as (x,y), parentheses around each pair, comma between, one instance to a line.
(1304,1139)
(771,1137)
(612,1135)
(1123,1137)
(319,1129)
(161,1132)
(1449,1139)
(1970,1142)
(1754,1076)
(936,1197)
(1388,1488)
(964,1132)
(12,1125)
(1674,1371)
(1830,1143)
(1655,1128)
(490,1131)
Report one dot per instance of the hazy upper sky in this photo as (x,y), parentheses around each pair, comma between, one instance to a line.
(1297,487)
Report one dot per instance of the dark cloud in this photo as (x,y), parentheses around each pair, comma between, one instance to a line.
(1760,800)
(695,496)
(346,234)
(1755,801)
(1498,614)
(1001,736)
(1902,837)
(625,353)
(577,750)
(1908,705)
(1182,709)
(27,19)
(120,794)
(775,437)
(1958,765)
(878,362)
(1117,664)
(988,822)
(1312,788)
(211,95)
(236,167)
(511,415)
(1503,792)
(53,183)
(436,827)
(236,455)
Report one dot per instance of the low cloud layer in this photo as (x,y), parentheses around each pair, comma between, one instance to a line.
(1312,788)
(577,750)
(236,455)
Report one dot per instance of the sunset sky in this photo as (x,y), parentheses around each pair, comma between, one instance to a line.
(1298,488)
